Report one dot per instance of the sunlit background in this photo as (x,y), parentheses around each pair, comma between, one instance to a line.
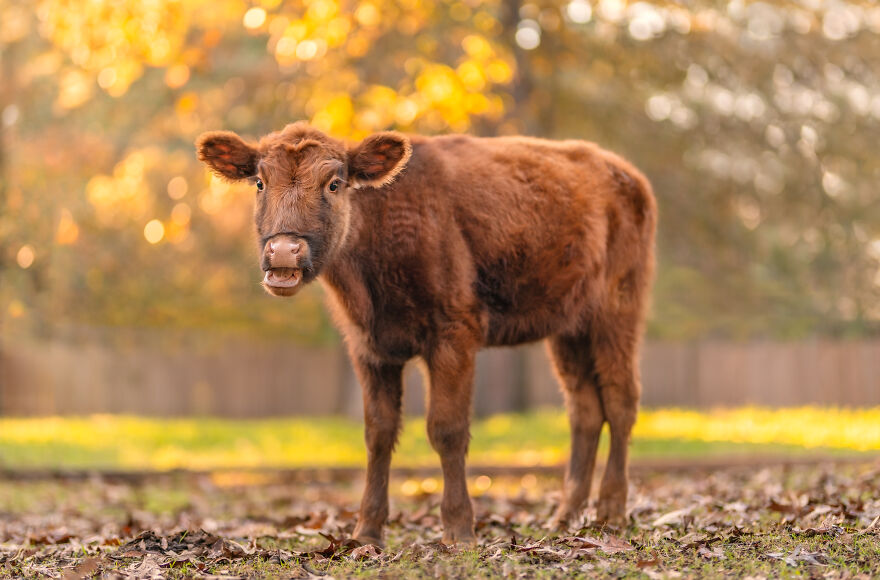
(129,279)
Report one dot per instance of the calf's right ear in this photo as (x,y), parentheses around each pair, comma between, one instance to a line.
(227,155)
(378,159)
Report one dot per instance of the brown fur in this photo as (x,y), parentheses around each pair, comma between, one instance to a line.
(435,247)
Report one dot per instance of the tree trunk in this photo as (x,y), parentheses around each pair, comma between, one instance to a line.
(522,86)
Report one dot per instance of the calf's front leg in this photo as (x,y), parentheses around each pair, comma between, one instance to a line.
(451,368)
(382,390)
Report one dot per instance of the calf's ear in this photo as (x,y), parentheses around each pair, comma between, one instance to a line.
(227,155)
(378,159)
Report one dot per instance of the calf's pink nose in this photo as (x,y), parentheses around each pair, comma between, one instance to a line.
(283,247)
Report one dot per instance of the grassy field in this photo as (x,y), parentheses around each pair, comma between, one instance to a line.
(798,521)
(534,439)
(240,511)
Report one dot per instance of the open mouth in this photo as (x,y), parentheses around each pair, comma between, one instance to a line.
(282,277)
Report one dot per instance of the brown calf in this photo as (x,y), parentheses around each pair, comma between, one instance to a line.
(435,247)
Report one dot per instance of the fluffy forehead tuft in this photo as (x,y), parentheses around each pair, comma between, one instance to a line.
(301,154)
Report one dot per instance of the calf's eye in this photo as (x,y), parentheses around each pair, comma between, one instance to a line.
(259,184)
(333,187)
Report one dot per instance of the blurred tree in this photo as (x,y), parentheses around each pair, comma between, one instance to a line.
(753,120)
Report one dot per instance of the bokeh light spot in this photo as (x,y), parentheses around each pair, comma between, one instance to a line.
(25,257)
(177,187)
(254,18)
(579,11)
(528,35)
(177,76)
(181,214)
(154,231)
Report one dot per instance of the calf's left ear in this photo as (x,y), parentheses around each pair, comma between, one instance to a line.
(227,155)
(378,159)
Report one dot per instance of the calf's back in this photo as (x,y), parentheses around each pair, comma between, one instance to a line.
(515,238)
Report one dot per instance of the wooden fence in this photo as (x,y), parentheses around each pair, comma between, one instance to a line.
(152,374)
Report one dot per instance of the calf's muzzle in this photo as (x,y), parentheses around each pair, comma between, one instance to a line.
(284,258)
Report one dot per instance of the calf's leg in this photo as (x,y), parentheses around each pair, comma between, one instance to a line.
(451,369)
(382,390)
(573,360)
(616,345)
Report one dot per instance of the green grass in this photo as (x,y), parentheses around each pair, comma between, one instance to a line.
(537,438)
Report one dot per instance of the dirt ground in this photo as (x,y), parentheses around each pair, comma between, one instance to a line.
(816,520)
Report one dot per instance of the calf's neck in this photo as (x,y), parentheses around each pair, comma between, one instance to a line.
(435,247)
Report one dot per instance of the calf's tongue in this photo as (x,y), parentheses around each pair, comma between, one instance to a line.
(281,274)
(281,277)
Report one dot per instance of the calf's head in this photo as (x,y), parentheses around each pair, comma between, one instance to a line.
(304,181)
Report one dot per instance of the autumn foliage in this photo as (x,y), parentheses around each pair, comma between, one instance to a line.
(754,121)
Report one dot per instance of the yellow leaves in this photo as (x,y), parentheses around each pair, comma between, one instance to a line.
(113,40)
(15,23)
(438,84)
(499,72)
(125,194)
(335,115)
(405,111)
(367,14)
(477,47)
(309,49)
(285,50)
(337,31)
(118,78)
(67,232)
(321,10)
(376,110)
(74,89)
(297,30)
(288,51)
(456,94)
(471,76)
(308,37)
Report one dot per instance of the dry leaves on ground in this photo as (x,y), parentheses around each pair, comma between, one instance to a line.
(816,520)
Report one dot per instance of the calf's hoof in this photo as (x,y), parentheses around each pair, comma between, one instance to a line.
(561,520)
(365,539)
(611,511)
(368,535)
(462,536)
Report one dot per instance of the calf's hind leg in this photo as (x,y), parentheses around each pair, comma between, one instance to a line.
(615,348)
(573,361)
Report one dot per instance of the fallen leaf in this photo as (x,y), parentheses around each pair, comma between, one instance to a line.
(672,518)
(366,552)
(692,539)
(84,569)
(714,553)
